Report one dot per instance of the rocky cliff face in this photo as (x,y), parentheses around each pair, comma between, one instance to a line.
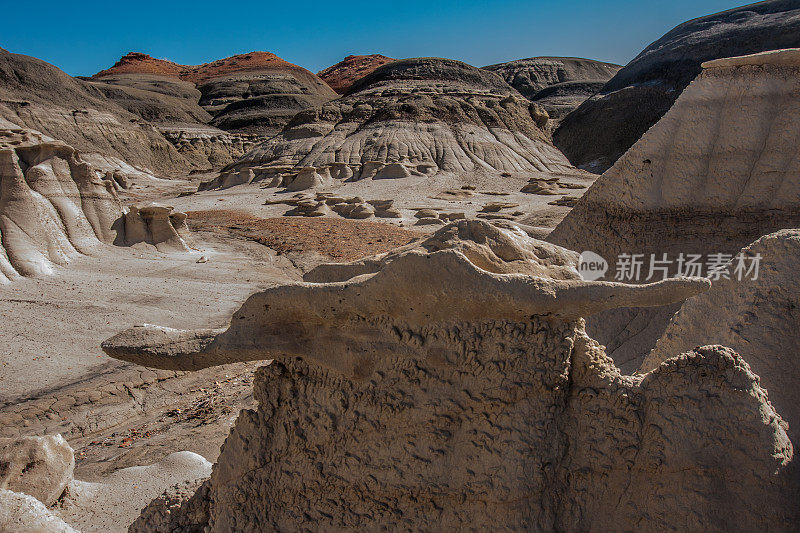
(714,174)
(343,74)
(434,407)
(596,134)
(409,118)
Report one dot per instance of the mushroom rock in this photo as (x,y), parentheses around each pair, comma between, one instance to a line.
(418,117)
(718,171)
(158,225)
(427,392)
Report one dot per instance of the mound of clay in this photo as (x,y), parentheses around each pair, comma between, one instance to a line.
(717,172)
(529,76)
(40,467)
(571,80)
(255,93)
(596,134)
(156,99)
(54,206)
(37,95)
(343,74)
(115,500)
(408,118)
(451,396)
(756,317)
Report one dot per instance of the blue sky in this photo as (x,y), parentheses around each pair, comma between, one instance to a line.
(84,37)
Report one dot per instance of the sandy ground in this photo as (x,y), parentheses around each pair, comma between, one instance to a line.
(54,378)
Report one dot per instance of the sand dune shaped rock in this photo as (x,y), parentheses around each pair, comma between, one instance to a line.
(456,396)
(718,171)
(413,117)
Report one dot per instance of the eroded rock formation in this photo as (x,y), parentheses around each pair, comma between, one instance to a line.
(253,93)
(451,384)
(54,206)
(413,117)
(756,315)
(38,96)
(21,513)
(718,171)
(596,134)
(40,467)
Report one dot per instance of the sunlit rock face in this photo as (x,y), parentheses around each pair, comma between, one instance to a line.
(422,391)
(717,172)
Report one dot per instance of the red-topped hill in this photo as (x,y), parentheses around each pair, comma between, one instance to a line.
(351,69)
(138,63)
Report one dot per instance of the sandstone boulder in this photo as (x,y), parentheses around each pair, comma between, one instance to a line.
(40,467)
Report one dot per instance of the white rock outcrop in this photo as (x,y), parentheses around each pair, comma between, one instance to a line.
(54,205)
(20,513)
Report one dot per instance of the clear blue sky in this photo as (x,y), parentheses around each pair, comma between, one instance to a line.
(84,37)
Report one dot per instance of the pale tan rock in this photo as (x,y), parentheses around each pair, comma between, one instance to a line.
(157,225)
(426,213)
(461,398)
(756,317)
(53,205)
(37,466)
(461,272)
(20,513)
(715,173)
